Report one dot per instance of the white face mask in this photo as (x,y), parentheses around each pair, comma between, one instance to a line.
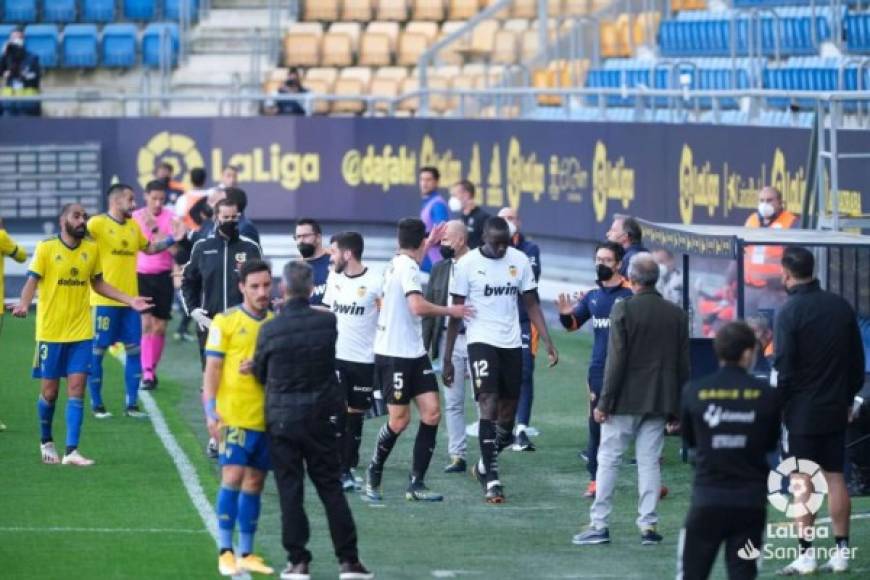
(766,210)
(454,204)
(512,228)
(663,271)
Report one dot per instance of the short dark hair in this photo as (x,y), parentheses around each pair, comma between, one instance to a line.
(198,176)
(618,251)
(253,267)
(239,196)
(632,229)
(732,340)
(436,175)
(155,185)
(167,165)
(117,188)
(315,225)
(350,241)
(225,202)
(67,207)
(298,278)
(497,224)
(466,186)
(412,232)
(799,262)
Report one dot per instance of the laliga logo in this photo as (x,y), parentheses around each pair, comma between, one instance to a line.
(175,148)
(796,508)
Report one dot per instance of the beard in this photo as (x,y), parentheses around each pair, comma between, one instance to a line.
(76,232)
(339,266)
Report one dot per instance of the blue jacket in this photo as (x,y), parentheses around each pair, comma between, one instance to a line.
(629,253)
(531,250)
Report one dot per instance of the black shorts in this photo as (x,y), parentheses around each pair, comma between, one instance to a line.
(158,287)
(709,528)
(827,449)
(357,380)
(496,370)
(403,379)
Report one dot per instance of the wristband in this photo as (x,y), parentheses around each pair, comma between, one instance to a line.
(210,408)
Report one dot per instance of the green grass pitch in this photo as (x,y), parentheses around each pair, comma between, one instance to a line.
(129,516)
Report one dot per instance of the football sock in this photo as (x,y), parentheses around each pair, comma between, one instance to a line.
(45,412)
(842,542)
(74,415)
(488,450)
(804,546)
(386,440)
(227,512)
(132,374)
(424,447)
(353,438)
(158,341)
(503,436)
(249,513)
(95,378)
(148,356)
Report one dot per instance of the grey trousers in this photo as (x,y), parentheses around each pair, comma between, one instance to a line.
(617,432)
(454,398)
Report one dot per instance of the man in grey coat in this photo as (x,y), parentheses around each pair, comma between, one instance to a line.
(647,366)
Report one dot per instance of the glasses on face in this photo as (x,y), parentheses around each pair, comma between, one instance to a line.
(303,237)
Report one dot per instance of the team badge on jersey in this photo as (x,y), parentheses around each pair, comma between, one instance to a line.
(512,270)
(74,272)
(361,291)
(241,257)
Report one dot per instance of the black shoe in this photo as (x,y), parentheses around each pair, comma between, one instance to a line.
(348,482)
(522,442)
(101,413)
(457,465)
(650,537)
(373,484)
(417,491)
(494,493)
(148,385)
(481,478)
(296,571)
(354,571)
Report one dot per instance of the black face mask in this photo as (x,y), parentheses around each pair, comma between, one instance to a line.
(306,250)
(603,273)
(447,252)
(229,230)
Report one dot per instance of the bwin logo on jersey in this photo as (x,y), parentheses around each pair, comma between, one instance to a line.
(600,323)
(506,290)
(320,290)
(352,309)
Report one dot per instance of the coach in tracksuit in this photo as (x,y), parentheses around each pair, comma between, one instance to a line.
(210,282)
(596,305)
(731,420)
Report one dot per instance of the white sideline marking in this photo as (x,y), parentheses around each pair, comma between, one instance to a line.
(60,530)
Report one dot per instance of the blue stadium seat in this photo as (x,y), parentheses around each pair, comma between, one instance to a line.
(19,10)
(151,43)
(80,46)
(42,40)
(5,31)
(858,32)
(172,9)
(139,9)
(98,10)
(59,11)
(119,46)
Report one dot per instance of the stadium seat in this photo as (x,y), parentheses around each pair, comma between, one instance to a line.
(463,9)
(392,10)
(358,10)
(337,49)
(5,31)
(19,10)
(322,10)
(327,75)
(375,50)
(80,46)
(315,28)
(42,40)
(302,48)
(527,9)
(119,46)
(139,9)
(389,29)
(451,54)
(858,32)
(322,81)
(411,46)
(428,10)
(152,44)
(427,29)
(384,87)
(59,11)
(352,29)
(516,25)
(505,47)
(172,9)
(351,82)
(483,36)
(98,10)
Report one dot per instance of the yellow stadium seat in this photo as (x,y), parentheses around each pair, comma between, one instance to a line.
(326,75)
(375,50)
(555,8)
(324,10)
(411,46)
(384,87)
(352,29)
(359,10)
(524,9)
(516,25)
(451,54)
(501,14)
(504,49)
(427,29)
(301,49)
(463,9)
(391,72)
(429,10)
(390,29)
(483,35)
(577,7)
(337,50)
(408,85)
(320,87)
(393,10)
(315,28)
(646,28)
(350,88)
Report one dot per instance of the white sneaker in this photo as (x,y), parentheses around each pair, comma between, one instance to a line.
(838,563)
(472,429)
(101,413)
(805,564)
(532,432)
(77,459)
(49,453)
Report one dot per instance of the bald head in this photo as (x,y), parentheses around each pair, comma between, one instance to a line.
(456,237)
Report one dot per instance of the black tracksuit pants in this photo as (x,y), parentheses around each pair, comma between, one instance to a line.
(707,528)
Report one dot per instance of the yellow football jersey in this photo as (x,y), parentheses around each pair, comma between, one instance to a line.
(240,399)
(118,245)
(8,247)
(63,313)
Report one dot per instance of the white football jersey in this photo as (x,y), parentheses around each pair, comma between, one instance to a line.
(492,288)
(354,300)
(400,332)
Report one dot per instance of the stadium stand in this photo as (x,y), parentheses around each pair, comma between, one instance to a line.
(80,46)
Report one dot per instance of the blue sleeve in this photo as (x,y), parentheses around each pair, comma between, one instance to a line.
(535,258)
(581,311)
(247,229)
(439,213)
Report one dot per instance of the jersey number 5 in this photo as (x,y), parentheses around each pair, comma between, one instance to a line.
(398,381)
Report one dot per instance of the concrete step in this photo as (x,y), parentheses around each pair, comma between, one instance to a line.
(223,20)
(216,69)
(239,4)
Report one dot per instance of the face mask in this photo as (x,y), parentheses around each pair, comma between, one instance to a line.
(512,228)
(306,250)
(229,230)
(765,210)
(663,271)
(603,272)
(447,252)
(16,42)
(454,204)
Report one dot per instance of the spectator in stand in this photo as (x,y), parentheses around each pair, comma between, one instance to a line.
(174,189)
(626,232)
(292,86)
(670,284)
(187,201)
(472,215)
(21,74)
(433,212)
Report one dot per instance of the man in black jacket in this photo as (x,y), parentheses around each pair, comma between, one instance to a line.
(731,420)
(295,361)
(820,368)
(210,282)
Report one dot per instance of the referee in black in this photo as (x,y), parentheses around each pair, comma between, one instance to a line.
(731,420)
(295,362)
